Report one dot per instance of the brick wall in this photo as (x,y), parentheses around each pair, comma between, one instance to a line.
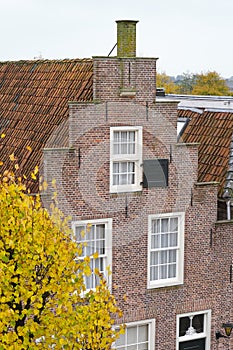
(82,174)
(134,78)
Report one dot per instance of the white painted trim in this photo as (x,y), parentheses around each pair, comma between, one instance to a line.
(207,328)
(137,158)
(180,262)
(108,240)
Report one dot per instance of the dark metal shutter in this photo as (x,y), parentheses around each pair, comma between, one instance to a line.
(155,173)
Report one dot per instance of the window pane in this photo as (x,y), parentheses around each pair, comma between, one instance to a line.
(164,225)
(99,264)
(90,248)
(132,136)
(198,323)
(115,167)
(172,256)
(115,179)
(173,239)
(142,333)
(90,233)
(123,167)
(183,326)
(163,256)
(131,148)
(131,335)
(79,233)
(100,247)
(123,149)
(154,258)
(116,149)
(164,240)
(163,271)
(154,273)
(172,271)
(155,226)
(121,340)
(124,136)
(100,231)
(155,241)
(116,136)
(131,180)
(90,281)
(131,166)
(123,179)
(173,224)
(131,172)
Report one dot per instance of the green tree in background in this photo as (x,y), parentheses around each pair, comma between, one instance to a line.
(185,83)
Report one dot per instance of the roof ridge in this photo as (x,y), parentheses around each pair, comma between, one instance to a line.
(64,60)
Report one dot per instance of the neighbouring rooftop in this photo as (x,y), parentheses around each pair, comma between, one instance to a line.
(34,99)
(207,120)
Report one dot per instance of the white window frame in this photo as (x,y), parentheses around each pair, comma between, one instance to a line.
(108,243)
(151,333)
(136,158)
(178,279)
(205,334)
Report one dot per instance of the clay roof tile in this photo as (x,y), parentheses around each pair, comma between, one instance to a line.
(34,99)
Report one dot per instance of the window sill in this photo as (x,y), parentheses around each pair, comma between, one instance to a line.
(164,284)
(122,189)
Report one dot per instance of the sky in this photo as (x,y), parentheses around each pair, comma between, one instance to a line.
(188,36)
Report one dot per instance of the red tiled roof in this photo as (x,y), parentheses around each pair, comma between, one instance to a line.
(213,130)
(34,99)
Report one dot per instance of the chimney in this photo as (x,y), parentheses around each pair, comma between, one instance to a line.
(126,38)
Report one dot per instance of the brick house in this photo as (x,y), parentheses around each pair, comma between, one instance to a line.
(124,172)
(118,166)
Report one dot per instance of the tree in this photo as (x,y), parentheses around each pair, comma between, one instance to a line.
(164,81)
(185,83)
(210,83)
(43,303)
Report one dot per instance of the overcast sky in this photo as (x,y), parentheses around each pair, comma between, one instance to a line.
(186,35)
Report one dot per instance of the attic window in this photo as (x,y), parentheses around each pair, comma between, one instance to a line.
(125,158)
(155,173)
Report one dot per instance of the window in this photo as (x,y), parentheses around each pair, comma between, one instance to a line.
(96,236)
(125,159)
(137,336)
(193,330)
(165,250)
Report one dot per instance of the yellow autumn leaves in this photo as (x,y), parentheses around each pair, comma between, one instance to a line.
(42,304)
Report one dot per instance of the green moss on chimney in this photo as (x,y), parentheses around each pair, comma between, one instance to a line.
(126,38)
